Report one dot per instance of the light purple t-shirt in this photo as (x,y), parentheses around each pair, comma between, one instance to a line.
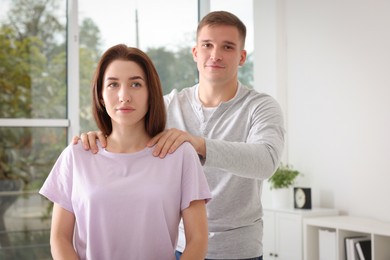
(127,206)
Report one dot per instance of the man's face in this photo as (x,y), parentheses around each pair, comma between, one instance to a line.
(218,53)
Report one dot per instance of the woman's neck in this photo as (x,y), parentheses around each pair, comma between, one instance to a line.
(127,141)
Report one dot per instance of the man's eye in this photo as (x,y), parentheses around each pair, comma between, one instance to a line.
(206,45)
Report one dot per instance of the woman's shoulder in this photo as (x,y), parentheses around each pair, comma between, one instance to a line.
(186,148)
(186,152)
(78,149)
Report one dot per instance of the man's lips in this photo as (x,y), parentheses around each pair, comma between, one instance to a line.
(216,66)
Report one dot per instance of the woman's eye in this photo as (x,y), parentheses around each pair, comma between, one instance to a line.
(112,85)
(136,84)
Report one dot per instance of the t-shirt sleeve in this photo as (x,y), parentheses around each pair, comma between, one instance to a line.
(58,185)
(194,183)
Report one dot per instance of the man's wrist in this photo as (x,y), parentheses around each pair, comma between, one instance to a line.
(201,147)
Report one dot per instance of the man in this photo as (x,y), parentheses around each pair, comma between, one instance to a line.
(237,132)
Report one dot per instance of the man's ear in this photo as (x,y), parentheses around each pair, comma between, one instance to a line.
(195,54)
(242,58)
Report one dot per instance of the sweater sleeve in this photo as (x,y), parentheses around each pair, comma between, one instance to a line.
(258,157)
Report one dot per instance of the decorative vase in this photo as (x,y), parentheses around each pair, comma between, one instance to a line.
(281,198)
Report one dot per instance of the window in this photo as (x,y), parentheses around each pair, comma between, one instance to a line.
(33,124)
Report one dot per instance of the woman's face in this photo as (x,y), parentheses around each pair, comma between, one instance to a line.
(125,93)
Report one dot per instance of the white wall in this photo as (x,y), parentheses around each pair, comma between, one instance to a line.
(328,63)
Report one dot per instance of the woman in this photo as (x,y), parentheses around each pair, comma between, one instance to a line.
(124,203)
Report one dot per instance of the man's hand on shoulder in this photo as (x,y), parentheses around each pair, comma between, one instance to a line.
(89,140)
(169,140)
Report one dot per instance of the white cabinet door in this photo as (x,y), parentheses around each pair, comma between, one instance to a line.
(288,236)
(283,232)
(269,235)
(282,238)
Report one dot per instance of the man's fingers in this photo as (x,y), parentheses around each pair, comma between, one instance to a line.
(168,141)
(92,136)
(75,139)
(84,140)
(102,138)
(160,148)
(179,141)
(171,141)
(155,139)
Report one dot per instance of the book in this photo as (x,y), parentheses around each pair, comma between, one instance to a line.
(327,244)
(350,248)
(363,249)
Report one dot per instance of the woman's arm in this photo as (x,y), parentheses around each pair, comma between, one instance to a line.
(196,231)
(61,235)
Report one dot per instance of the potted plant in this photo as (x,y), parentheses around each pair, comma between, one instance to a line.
(284,177)
(280,182)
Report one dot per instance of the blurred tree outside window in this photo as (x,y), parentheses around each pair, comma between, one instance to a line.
(32,86)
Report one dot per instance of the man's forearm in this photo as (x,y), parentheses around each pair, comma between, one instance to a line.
(249,160)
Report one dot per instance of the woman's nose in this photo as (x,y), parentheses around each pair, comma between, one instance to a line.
(124,94)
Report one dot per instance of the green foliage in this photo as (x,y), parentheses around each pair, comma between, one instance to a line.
(90,52)
(32,85)
(283,177)
(177,70)
(15,161)
(245,73)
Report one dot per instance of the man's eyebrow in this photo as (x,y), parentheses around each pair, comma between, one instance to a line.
(225,42)
(205,41)
(230,43)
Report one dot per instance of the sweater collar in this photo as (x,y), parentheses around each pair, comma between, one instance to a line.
(198,104)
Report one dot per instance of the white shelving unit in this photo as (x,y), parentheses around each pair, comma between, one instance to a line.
(283,231)
(347,226)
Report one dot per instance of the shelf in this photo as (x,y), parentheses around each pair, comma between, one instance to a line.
(347,226)
(305,212)
(283,231)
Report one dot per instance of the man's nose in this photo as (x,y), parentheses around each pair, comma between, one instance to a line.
(216,55)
